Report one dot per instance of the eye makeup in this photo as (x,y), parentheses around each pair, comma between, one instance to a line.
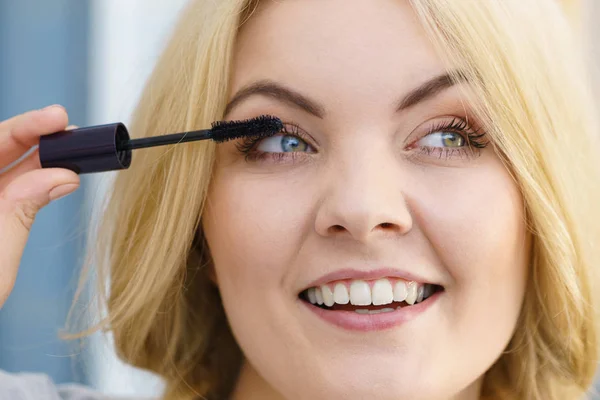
(247,145)
(452,131)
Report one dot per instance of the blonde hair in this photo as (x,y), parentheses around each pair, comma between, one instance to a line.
(531,90)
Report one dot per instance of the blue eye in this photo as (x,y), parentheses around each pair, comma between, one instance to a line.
(282,144)
(291,142)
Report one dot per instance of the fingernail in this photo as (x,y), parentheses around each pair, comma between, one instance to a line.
(63,190)
(53,106)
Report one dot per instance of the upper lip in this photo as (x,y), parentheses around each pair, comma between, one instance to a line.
(370,274)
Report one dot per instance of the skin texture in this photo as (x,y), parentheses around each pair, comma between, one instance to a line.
(361,193)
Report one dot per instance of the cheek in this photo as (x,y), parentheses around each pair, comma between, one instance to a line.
(253,226)
(478,228)
(478,231)
(249,225)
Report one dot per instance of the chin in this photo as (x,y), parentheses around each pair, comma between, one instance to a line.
(360,390)
(370,382)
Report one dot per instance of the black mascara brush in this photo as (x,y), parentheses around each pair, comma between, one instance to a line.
(109,148)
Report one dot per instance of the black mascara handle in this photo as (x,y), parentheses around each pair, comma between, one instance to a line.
(86,150)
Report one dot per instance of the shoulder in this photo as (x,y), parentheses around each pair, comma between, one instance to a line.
(32,386)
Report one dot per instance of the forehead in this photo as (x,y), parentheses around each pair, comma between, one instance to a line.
(337,47)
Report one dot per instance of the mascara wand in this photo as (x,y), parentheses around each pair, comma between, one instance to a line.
(109,148)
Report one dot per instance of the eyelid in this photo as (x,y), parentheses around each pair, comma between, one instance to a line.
(297,130)
(447,123)
(293,128)
(248,144)
(436,124)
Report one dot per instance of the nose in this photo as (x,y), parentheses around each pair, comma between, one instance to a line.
(363,198)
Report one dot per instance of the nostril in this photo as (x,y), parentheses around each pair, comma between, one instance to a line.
(337,228)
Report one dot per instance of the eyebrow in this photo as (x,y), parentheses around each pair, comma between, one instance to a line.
(280,92)
(430,89)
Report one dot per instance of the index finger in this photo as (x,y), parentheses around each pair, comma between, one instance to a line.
(20,133)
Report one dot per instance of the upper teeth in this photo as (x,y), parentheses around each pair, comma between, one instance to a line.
(362,293)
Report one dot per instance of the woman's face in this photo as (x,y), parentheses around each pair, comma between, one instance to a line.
(373,196)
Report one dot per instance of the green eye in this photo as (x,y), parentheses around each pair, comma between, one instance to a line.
(452,139)
(443,139)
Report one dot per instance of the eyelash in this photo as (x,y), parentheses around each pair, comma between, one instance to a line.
(475,139)
(247,144)
(475,142)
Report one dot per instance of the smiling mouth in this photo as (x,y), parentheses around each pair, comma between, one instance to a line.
(364,297)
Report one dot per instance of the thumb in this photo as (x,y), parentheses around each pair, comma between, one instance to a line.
(20,202)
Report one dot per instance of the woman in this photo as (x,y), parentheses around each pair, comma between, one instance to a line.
(423,228)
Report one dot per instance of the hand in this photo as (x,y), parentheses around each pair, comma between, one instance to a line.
(25,188)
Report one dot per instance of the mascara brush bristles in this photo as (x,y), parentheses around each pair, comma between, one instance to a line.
(262,126)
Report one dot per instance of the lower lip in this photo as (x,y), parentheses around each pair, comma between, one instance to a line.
(351,320)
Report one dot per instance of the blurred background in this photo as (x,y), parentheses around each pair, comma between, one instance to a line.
(93,57)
